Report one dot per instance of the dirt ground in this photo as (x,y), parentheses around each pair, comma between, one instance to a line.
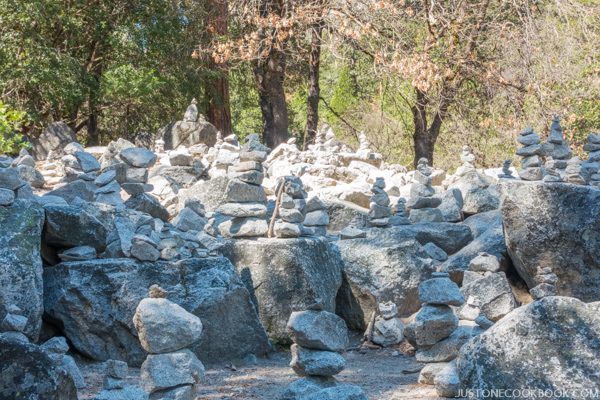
(384,374)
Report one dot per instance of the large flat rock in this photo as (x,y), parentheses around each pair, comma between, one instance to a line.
(94,302)
(286,275)
(554,225)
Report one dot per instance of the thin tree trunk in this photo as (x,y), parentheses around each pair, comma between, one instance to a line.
(312,101)
(93,135)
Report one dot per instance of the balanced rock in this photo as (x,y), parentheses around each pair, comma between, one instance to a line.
(320,330)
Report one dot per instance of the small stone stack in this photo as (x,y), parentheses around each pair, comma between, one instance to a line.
(557,152)
(531,164)
(319,338)
(57,348)
(316,218)
(591,168)
(11,185)
(134,171)
(115,385)
(468,159)
(25,165)
(506,171)
(166,330)
(78,164)
(546,286)
(108,189)
(422,201)
(291,208)
(388,330)
(400,216)
(246,198)
(379,207)
(436,334)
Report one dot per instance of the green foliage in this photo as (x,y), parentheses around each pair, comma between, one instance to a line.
(11,123)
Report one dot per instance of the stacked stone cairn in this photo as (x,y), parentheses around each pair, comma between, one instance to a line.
(531,163)
(108,189)
(78,164)
(422,201)
(166,331)
(352,231)
(115,385)
(12,186)
(57,348)
(436,334)
(290,208)
(557,152)
(316,218)
(134,170)
(591,168)
(379,207)
(400,216)
(319,337)
(468,159)
(25,165)
(14,322)
(506,171)
(245,197)
(388,329)
(546,283)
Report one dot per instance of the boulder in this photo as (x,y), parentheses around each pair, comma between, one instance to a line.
(554,225)
(548,344)
(71,226)
(478,192)
(433,323)
(447,349)
(27,372)
(451,205)
(316,362)
(440,290)
(148,204)
(285,275)
(210,193)
(21,263)
(54,138)
(164,371)
(188,133)
(318,330)
(94,302)
(493,294)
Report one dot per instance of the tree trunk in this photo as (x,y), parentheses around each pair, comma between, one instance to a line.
(217,89)
(93,135)
(312,101)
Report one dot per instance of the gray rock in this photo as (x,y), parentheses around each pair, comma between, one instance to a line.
(180,159)
(285,275)
(164,371)
(451,205)
(143,249)
(136,188)
(483,322)
(433,323)
(78,188)
(10,179)
(429,371)
(86,161)
(243,209)
(106,177)
(435,252)
(252,177)
(339,392)
(286,230)
(316,362)
(319,330)
(133,175)
(477,192)
(78,253)
(116,369)
(21,263)
(31,175)
(515,352)
(556,225)
(138,157)
(352,233)
(484,262)
(148,204)
(493,293)
(423,202)
(27,372)
(243,227)
(241,192)
(387,332)
(164,326)
(187,220)
(291,215)
(188,133)
(210,193)
(315,388)
(71,226)
(440,291)
(69,365)
(185,392)
(420,215)
(54,138)
(7,197)
(447,349)
(13,323)
(316,218)
(95,302)
(56,345)
(447,382)
(127,392)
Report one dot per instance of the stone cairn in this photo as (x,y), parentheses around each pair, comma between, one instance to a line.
(134,170)
(432,330)
(531,164)
(115,386)
(546,283)
(506,171)
(400,216)
(422,201)
(316,218)
(468,159)
(11,185)
(387,329)
(319,337)
(245,197)
(166,331)
(557,152)
(14,321)
(78,164)
(591,167)
(379,207)
(290,206)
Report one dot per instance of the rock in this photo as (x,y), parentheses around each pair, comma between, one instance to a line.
(144,249)
(188,133)
(86,161)
(316,388)
(286,230)
(315,362)
(477,193)
(210,193)
(187,220)
(440,291)
(493,293)
(285,275)
(319,330)
(69,365)
(243,209)
(95,302)
(164,326)
(127,392)
(9,179)
(78,188)
(31,175)
(434,323)
(27,372)
(7,197)
(447,349)
(54,138)
(429,371)
(387,332)
(78,253)
(484,262)
(180,158)
(435,252)
(447,382)
(13,323)
(164,371)
(21,263)
(352,233)
(514,352)
(316,218)
(452,205)
(483,322)
(71,226)
(426,215)
(243,227)
(185,392)
(241,192)
(148,204)
(138,157)
(554,225)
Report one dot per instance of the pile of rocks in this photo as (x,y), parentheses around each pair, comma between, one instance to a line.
(245,197)
(557,152)
(468,159)
(531,164)
(290,210)
(57,349)
(108,189)
(78,164)
(319,337)
(11,186)
(422,201)
(379,207)
(591,167)
(546,283)
(316,218)
(400,216)
(14,321)
(115,386)
(166,330)
(436,334)
(506,171)
(134,173)
(388,329)
(364,151)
